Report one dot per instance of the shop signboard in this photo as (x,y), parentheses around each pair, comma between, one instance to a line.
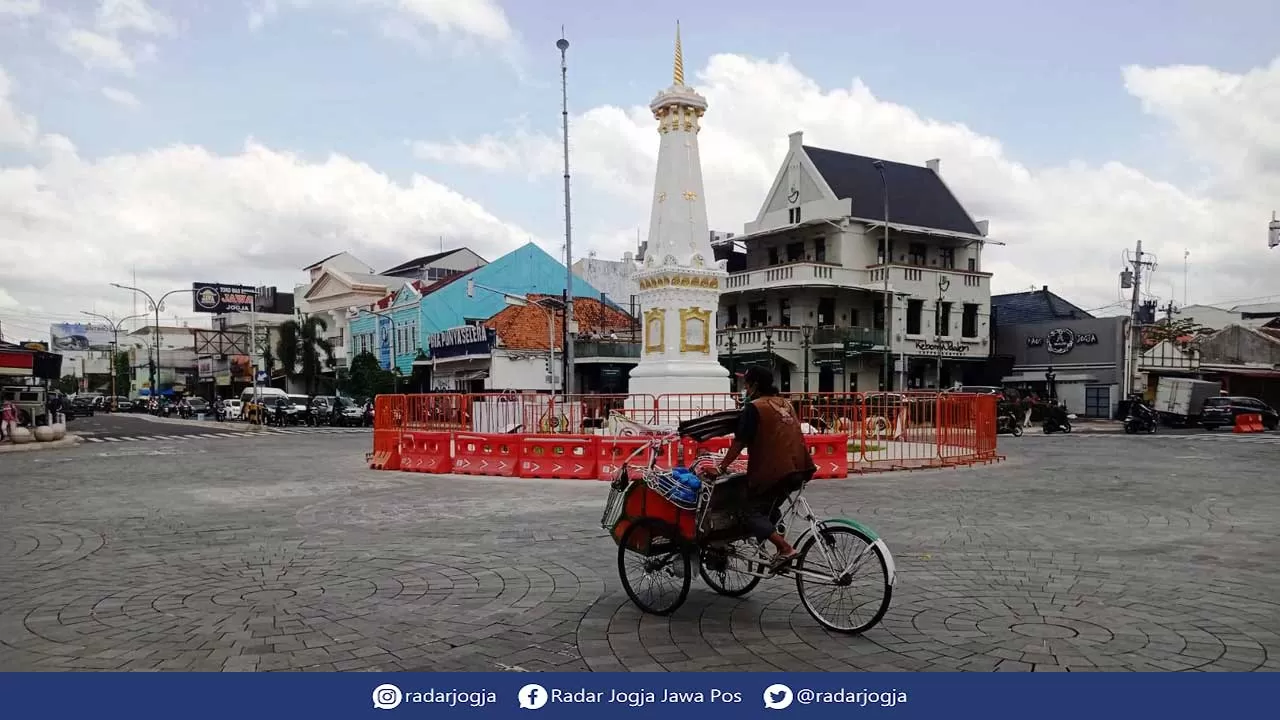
(204,367)
(220,298)
(941,347)
(462,341)
(80,336)
(1060,341)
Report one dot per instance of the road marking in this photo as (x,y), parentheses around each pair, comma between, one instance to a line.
(94,439)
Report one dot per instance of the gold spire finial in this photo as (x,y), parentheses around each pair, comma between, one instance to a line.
(679,66)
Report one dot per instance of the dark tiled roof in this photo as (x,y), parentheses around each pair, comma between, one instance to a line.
(1032,307)
(322,261)
(423,261)
(917,196)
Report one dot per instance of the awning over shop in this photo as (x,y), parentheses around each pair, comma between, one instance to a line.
(1245,372)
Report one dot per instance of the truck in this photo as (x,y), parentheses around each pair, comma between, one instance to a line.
(1179,400)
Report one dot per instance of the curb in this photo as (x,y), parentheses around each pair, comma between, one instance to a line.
(35,446)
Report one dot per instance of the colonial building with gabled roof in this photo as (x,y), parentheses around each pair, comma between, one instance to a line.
(809,277)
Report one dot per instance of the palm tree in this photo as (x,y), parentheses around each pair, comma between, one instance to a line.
(303,350)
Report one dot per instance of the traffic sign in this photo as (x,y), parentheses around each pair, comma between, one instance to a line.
(262,376)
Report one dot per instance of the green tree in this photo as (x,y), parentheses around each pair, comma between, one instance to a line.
(69,384)
(124,374)
(303,350)
(1182,332)
(366,378)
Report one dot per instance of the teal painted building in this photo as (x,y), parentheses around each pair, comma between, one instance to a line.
(397,333)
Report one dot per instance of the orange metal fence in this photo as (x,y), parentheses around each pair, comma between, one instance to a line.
(884,431)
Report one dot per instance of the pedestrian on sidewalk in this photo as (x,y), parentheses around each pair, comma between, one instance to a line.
(8,420)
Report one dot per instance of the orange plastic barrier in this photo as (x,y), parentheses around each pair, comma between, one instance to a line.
(611,452)
(830,453)
(1248,423)
(901,430)
(480,454)
(562,457)
(388,423)
(426,452)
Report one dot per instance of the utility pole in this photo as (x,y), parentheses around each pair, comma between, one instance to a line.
(563,46)
(1139,261)
(885,259)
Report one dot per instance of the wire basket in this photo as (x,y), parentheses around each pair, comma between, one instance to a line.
(613,508)
(665,484)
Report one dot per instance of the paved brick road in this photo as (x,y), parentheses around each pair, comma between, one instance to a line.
(1085,554)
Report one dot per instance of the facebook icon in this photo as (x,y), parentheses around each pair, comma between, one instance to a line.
(532,697)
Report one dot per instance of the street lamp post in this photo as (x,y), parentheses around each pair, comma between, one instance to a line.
(521,301)
(1051,384)
(563,45)
(115,346)
(731,344)
(884,268)
(155,304)
(944,284)
(768,348)
(806,333)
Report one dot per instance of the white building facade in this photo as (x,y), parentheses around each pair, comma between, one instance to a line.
(808,295)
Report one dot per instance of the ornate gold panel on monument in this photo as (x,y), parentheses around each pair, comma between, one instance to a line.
(655,330)
(695,330)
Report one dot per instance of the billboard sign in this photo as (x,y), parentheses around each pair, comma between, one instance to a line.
(384,342)
(219,298)
(80,336)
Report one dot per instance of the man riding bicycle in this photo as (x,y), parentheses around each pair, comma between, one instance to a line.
(778,461)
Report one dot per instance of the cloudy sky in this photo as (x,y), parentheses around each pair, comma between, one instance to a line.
(239,140)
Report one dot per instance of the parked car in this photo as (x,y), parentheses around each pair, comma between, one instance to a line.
(1222,411)
(123,404)
(199,405)
(84,405)
(233,408)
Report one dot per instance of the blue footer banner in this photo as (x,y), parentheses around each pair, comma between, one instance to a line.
(533,696)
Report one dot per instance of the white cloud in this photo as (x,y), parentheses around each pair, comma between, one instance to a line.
(481,19)
(95,50)
(183,213)
(1065,226)
(20,8)
(121,97)
(17,130)
(116,38)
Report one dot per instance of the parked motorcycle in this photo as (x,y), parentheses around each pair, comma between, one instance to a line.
(1008,424)
(1141,419)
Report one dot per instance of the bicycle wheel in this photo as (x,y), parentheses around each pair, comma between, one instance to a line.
(728,573)
(861,593)
(655,567)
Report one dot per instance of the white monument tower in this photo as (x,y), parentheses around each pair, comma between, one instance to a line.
(680,282)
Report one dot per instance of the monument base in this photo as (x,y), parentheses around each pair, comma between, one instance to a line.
(684,391)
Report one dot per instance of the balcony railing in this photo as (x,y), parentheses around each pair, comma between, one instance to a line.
(606,349)
(792,338)
(869,337)
(796,274)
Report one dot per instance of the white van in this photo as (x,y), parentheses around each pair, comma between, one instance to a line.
(268,393)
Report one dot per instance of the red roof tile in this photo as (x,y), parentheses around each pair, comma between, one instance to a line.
(526,328)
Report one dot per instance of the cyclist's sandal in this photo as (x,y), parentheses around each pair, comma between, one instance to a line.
(780,562)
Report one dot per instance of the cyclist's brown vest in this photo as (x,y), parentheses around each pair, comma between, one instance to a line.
(778,449)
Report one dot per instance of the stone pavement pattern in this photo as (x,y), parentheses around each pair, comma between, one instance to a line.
(1083,555)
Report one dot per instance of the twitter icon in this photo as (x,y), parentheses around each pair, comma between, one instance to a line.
(777,697)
